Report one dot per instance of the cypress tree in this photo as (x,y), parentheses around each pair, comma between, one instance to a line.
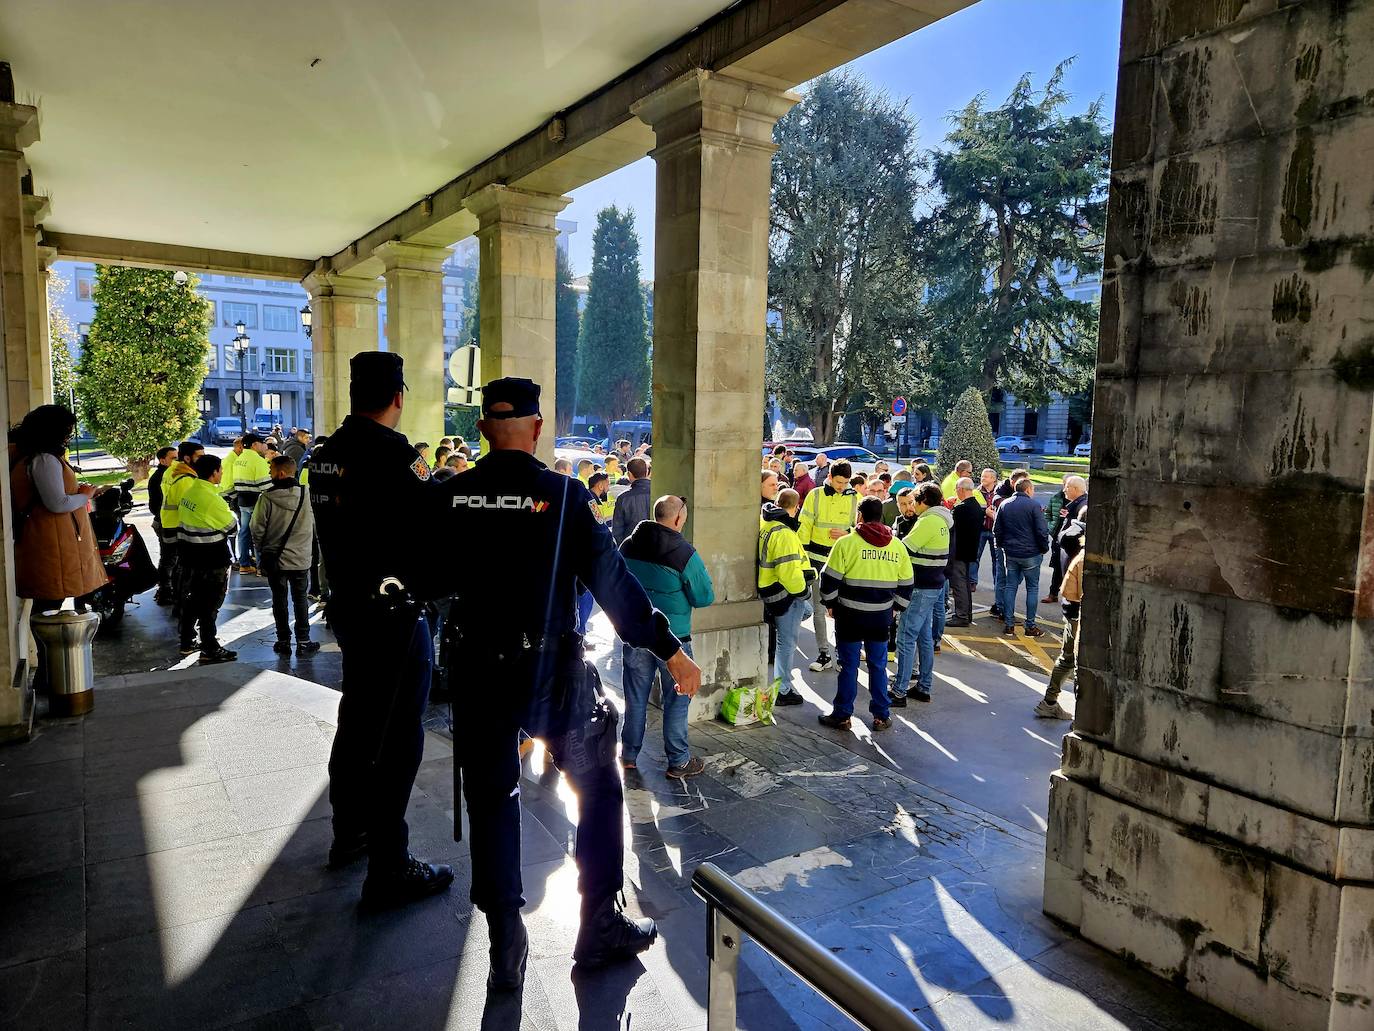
(613,379)
(968,434)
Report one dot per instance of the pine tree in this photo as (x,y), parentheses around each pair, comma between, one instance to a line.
(968,434)
(613,380)
(62,336)
(141,370)
(567,322)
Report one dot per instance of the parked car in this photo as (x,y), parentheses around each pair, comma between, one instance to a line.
(1013,444)
(264,419)
(1083,450)
(224,429)
(860,459)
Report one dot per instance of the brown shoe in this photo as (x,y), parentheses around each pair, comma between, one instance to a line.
(1049,599)
(691,768)
(1034,631)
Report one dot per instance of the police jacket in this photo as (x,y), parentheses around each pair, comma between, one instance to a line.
(540,536)
(928,545)
(867,575)
(671,573)
(824,510)
(784,572)
(204,527)
(375,509)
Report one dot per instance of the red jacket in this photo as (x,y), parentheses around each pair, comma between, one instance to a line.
(804,485)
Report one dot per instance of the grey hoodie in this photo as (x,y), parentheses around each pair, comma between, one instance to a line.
(273,513)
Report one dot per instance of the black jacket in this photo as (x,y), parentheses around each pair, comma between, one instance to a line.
(631,508)
(1020,529)
(155,493)
(968,530)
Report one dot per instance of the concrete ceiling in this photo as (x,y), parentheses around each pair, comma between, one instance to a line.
(205,125)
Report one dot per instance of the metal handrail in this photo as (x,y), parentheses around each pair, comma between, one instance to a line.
(732,912)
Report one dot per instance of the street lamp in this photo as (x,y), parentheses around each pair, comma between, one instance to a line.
(241,344)
(180,278)
(306,317)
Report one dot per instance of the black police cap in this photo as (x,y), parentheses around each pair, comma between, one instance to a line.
(521,394)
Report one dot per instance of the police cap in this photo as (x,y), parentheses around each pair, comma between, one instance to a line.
(375,377)
(521,394)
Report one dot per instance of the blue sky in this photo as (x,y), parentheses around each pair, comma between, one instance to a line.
(983,49)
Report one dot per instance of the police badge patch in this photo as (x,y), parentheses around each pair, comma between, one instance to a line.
(420,468)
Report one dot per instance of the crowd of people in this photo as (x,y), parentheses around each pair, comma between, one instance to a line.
(892,559)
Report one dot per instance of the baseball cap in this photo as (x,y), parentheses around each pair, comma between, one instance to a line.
(521,394)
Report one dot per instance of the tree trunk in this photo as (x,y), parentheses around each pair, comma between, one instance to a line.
(138,468)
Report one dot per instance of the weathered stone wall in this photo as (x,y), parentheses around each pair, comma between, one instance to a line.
(1213,814)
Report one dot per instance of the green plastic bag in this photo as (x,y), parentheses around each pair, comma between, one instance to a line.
(742,706)
(764,698)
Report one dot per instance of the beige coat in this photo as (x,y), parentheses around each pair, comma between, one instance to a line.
(56,555)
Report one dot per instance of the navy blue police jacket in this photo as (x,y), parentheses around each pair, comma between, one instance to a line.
(528,536)
(375,504)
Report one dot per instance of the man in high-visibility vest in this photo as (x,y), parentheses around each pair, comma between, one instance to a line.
(866,577)
(962,468)
(204,530)
(252,476)
(827,515)
(785,578)
(174,485)
(928,543)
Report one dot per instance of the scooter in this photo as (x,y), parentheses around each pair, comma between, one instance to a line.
(129,569)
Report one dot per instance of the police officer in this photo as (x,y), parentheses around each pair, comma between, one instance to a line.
(366,481)
(522,668)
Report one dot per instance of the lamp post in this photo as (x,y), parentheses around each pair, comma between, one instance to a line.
(241,343)
(306,319)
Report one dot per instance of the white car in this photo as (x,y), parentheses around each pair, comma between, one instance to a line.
(1083,450)
(860,459)
(1013,444)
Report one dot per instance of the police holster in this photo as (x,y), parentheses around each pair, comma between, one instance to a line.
(562,702)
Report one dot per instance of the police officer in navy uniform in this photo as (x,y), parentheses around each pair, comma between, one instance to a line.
(521,658)
(366,484)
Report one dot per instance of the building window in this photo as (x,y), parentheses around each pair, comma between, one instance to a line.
(238,279)
(84,331)
(85,286)
(211,358)
(308,363)
(451,288)
(450,306)
(281,361)
(233,312)
(231,359)
(309,412)
(453,324)
(450,344)
(280,319)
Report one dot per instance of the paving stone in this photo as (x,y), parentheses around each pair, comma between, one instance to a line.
(621,995)
(214,973)
(125,827)
(38,843)
(784,822)
(143,771)
(45,995)
(291,860)
(158,731)
(43,916)
(296,1018)
(283,796)
(262,749)
(127,897)
(676,847)
(53,740)
(39,788)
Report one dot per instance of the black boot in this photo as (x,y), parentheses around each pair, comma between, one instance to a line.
(607,935)
(510,948)
(347,850)
(407,883)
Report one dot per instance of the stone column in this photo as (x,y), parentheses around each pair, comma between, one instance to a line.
(39,357)
(18,129)
(46,257)
(517,236)
(713,155)
(343,322)
(415,330)
(1214,814)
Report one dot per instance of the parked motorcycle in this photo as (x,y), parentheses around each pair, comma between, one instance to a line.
(129,568)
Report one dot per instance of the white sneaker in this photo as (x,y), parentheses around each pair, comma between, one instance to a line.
(823,662)
(1052,711)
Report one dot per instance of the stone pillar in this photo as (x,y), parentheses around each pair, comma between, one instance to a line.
(1214,814)
(18,129)
(415,330)
(517,247)
(39,357)
(343,322)
(713,155)
(46,257)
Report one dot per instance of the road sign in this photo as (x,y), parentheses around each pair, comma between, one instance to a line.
(898,419)
(899,406)
(465,366)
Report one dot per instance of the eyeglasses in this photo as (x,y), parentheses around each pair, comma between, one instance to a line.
(683,499)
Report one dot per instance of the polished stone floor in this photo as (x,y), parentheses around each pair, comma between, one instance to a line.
(161,864)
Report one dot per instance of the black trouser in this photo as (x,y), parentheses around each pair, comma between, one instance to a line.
(380,738)
(491,787)
(204,594)
(166,561)
(1056,570)
(284,582)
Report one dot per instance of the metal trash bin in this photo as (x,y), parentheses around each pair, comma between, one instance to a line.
(65,638)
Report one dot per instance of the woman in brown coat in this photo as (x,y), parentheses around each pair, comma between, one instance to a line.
(56,555)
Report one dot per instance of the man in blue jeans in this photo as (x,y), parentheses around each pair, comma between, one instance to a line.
(987,493)
(676,580)
(927,542)
(1024,537)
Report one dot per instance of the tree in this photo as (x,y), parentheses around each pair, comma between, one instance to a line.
(567,322)
(968,434)
(471,333)
(62,337)
(140,372)
(613,379)
(1023,204)
(842,258)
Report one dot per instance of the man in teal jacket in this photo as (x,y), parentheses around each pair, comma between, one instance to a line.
(675,579)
